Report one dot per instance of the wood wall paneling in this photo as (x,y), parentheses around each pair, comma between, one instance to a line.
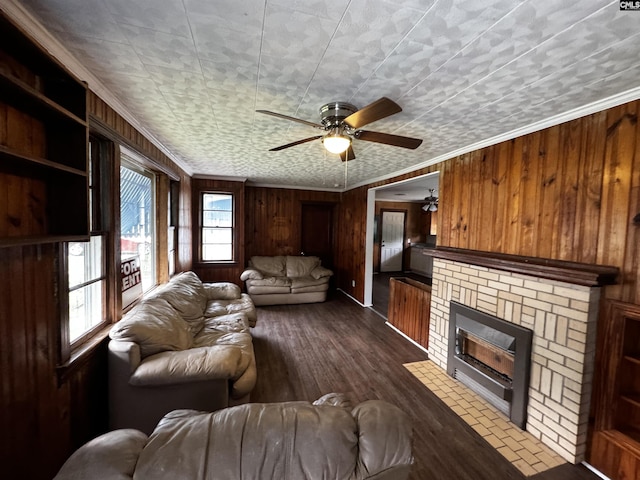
(43,420)
(273,217)
(185,226)
(569,192)
(219,272)
(34,410)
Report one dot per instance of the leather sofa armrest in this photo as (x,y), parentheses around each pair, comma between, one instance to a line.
(320,272)
(251,274)
(125,353)
(385,434)
(112,456)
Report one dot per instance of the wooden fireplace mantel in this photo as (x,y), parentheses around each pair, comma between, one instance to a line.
(571,272)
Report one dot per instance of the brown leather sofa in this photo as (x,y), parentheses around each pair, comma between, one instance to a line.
(293,440)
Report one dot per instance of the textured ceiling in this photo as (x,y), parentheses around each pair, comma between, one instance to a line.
(193,72)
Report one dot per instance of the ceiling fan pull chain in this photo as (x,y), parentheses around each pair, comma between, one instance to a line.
(346,174)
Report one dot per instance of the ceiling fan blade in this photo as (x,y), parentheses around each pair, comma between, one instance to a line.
(388,139)
(377,110)
(282,147)
(347,155)
(293,119)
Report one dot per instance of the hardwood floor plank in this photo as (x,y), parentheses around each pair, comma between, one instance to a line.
(305,351)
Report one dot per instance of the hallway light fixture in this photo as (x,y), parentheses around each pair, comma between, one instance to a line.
(432,202)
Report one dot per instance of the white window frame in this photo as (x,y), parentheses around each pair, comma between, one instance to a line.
(203,227)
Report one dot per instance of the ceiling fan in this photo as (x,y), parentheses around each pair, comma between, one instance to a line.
(341,122)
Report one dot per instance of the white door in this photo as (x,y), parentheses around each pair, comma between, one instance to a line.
(392,241)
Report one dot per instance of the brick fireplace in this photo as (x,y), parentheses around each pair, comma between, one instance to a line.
(558,301)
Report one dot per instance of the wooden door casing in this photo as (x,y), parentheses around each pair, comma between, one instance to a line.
(316,231)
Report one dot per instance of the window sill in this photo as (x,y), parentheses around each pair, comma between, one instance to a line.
(81,354)
(212,263)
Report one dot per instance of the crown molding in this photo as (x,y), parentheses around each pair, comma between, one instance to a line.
(25,20)
(583,111)
(203,176)
(294,187)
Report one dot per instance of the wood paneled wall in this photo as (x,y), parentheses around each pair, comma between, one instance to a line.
(44,417)
(273,219)
(568,192)
(185,227)
(34,412)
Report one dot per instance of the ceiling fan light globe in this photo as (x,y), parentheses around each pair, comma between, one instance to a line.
(433,207)
(336,143)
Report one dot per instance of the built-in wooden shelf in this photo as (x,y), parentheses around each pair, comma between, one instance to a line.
(571,272)
(615,448)
(44,153)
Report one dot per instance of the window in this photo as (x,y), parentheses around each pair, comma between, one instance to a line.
(216,227)
(84,263)
(87,281)
(137,231)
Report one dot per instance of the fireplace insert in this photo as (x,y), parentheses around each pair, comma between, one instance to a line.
(492,357)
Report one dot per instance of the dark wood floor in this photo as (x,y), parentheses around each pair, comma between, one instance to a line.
(305,351)
(380,292)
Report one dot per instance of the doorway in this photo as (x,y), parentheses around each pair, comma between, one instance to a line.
(413,190)
(317,231)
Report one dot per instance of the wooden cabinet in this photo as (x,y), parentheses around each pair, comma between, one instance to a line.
(615,449)
(409,308)
(43,145)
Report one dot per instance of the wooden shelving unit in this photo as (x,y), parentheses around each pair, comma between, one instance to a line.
(43,145)
(615,448)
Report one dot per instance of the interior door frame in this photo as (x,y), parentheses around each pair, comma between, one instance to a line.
(331,206)
(368,248)
(404,235)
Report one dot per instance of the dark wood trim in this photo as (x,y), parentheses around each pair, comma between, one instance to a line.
(81,356)
(572,272)
(98,125)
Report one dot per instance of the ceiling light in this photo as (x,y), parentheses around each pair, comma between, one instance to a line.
(336,143)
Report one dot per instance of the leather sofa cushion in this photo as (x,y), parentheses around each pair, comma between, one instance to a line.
(192,365)
(186,294)
(311,288)
(222,291)
(243,304)
(270,282)
(269,266)
(154,325)
(258,290)
(301,266)
(308,281)
(285,440)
